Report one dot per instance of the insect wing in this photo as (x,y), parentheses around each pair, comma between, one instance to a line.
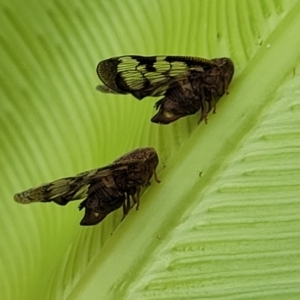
(60,191)
(144,76)
(140,173)
(68,189)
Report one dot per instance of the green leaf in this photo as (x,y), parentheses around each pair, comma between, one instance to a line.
(224,221)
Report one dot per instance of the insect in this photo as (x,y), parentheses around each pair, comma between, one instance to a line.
(188,84)
(104,189)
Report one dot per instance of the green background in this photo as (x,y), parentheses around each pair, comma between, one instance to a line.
(224,221)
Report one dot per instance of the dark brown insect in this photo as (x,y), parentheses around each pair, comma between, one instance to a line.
(103,190)
(188,84)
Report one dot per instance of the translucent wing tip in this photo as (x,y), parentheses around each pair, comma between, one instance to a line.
(30,196)
(23,198)
(105,89)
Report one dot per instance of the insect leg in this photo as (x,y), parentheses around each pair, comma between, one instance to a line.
(204,110)
(137,199)
(155,176)
(126,206)
(124,212)
(213,100)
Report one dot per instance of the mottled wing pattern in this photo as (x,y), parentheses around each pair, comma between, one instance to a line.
(144,76)
(140,174)
(67,189)
(104,189)
(188,84)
